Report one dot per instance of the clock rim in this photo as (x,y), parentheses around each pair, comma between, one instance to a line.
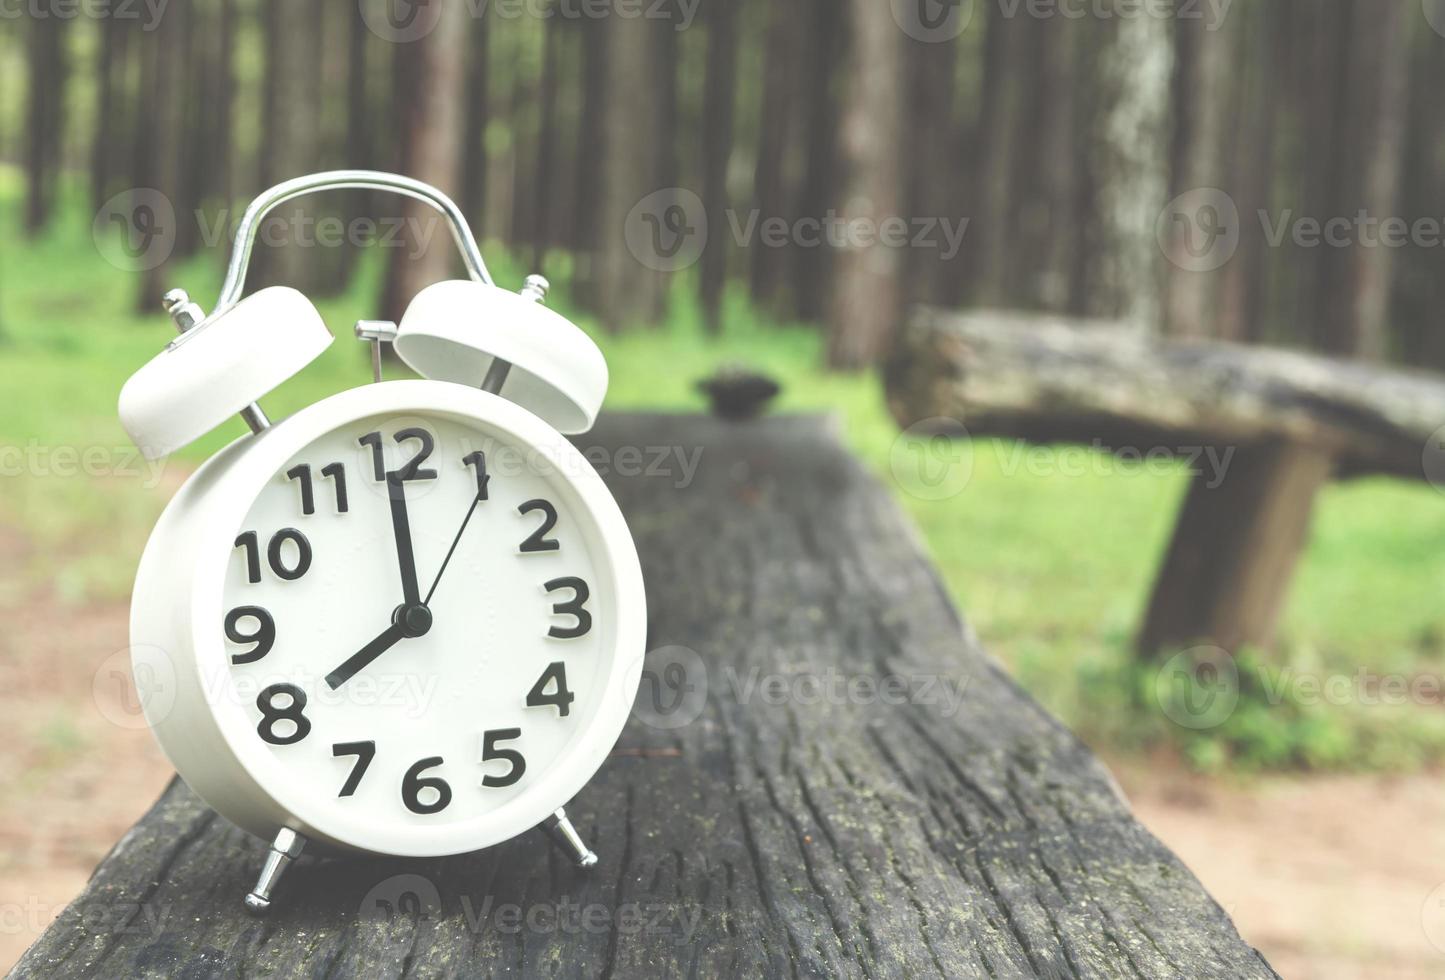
(228,486)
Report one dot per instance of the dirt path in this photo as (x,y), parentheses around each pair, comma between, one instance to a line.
(1330,876)
(78,771)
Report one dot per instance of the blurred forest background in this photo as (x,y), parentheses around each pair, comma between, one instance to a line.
(1059,129)
(1195,168)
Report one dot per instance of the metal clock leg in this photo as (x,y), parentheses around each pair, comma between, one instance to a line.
(565,836)
(284,849)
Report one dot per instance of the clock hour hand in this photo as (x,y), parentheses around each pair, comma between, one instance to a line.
(388,639)
(401,530)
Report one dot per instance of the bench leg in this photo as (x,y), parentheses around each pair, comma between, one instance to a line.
(1227,572)
(565,836)
(284,849)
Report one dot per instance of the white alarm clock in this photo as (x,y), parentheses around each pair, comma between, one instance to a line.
(408,619)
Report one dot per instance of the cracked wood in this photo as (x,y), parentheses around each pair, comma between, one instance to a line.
(846,835)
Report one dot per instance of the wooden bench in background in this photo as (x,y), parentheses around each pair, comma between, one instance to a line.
(767,836)
(1282,422)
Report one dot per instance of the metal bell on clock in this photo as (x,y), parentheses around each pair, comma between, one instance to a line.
(480,335)
(219,367)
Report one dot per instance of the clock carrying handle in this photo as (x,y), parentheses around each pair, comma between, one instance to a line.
(373,180)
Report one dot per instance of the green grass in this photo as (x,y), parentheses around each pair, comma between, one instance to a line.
(1051,569)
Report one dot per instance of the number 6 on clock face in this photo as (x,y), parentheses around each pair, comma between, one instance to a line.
(426,623)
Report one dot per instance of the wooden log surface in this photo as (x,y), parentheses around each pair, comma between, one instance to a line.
(861,823)
(1049,379)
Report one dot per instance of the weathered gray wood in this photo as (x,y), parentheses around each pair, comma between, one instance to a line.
(1226,575)
(1055,380)
(797,838)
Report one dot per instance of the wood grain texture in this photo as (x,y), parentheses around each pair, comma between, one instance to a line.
(809,834)
(1054,379)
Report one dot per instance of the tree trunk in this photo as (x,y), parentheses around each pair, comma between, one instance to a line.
(270,88)
(223,176)
(1419,288)
(358,135)
(293,147)
(932,162)
(108,57)
(784,61)
(627,291)
(1259,38)
(1206,63)
(867,289)
(431,152)
(719,96)
(546,164)
(522,120)
(167,111)
(45,117)
(196,80)
(591,142)
(1355,283)
(474,131)
(1130,168)
(1004,103)
(814,266)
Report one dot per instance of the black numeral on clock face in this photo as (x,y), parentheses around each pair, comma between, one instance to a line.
(478,461)
(414,782)
(411,469)
(293,711)
(264,635)
(572,607)
(275,554)
(538,540)
(491,751)
(364,752)
(560,698)
(301,474)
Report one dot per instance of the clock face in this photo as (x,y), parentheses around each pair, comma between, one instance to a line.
(419,624)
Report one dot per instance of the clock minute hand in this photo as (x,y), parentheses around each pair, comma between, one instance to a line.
(452,550)
(401,530)
(388,639)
